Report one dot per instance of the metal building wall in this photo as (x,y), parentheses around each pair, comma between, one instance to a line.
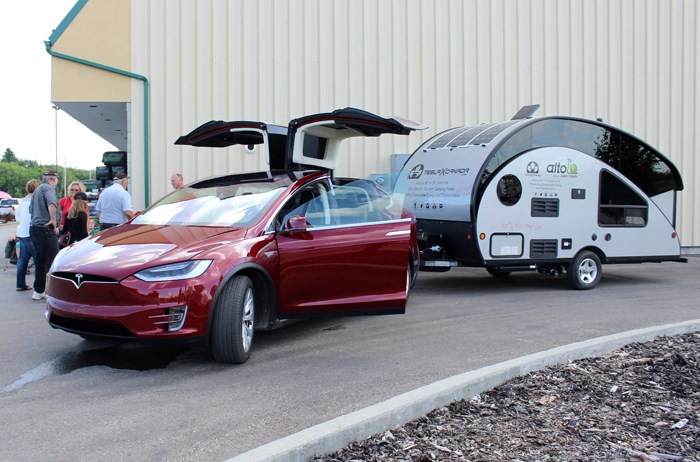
(441,62)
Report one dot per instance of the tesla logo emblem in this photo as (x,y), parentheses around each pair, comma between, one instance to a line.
(79,278)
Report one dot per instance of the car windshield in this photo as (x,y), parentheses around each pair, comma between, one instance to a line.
(207,203)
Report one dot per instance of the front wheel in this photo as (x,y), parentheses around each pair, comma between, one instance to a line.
(234,321)
(585,270)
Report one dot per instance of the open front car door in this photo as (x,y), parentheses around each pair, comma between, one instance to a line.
(221,134)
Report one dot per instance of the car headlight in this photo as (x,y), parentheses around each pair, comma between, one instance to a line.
(174,271)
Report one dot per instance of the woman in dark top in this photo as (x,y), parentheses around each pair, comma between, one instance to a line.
(77,218)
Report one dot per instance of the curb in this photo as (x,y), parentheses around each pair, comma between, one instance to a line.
(339,432)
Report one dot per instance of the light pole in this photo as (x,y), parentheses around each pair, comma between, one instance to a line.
(65,174)
(55,131)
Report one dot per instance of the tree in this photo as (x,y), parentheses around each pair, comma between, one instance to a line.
(9,156)
(13,178)
(28,163)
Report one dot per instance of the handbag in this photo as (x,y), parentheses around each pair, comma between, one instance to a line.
(10,252)
(64,240)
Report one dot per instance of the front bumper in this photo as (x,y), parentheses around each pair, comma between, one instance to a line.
(129,309)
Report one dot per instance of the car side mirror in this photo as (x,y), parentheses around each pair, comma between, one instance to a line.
(296,223)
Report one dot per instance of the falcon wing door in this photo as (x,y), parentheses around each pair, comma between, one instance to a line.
(314,140)
(221,134)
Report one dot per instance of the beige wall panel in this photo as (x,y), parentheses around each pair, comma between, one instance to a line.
(220,46)
(160,83)
(141,31)
(100,33)
(444,63)
(691,121)
(77,82)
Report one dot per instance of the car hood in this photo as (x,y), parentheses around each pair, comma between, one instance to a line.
(121,251)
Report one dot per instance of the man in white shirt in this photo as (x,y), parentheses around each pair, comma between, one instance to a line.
(114,204)
(26,246)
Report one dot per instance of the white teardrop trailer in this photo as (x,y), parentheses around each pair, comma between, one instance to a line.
(551,194)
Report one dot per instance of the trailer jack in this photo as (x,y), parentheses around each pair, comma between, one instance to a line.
(553,271)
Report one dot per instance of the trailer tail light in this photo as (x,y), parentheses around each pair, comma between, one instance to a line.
(673,235)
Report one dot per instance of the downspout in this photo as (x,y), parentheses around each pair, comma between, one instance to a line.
(145,105)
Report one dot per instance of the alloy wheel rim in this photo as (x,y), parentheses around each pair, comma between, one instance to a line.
(587,271)
(408,281)
(248,319)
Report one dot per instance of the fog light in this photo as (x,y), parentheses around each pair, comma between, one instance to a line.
(173,320)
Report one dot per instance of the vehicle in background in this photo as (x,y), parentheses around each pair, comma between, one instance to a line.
(8,208)
(552,194)
(214,261)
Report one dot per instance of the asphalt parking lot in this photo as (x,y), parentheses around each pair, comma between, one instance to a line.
(65,399)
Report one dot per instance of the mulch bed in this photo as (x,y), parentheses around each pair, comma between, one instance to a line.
(641,403)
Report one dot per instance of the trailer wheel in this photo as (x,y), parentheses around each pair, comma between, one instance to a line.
(497,273)
(585,270)
(232,333)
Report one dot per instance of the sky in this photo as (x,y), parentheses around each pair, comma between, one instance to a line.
(27,120)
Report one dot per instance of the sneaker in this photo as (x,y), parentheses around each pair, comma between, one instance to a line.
(38,295)
(20,289)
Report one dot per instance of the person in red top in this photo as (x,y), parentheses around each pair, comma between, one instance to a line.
(65,202)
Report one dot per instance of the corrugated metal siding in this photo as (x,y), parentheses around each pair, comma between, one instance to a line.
(444,63)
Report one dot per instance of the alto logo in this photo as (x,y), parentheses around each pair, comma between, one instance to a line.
(558,167)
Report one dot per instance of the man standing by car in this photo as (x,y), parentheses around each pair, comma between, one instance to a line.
(114,204)
(26,247)
(176,181)
(46,215)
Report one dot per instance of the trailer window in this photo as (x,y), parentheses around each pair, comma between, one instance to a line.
(645,167)
(619,204)
(509,190)
(573,134)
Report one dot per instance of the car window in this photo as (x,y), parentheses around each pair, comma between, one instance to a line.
(311,202)
(353,206)
(238,205)
(350,203)
(363,201)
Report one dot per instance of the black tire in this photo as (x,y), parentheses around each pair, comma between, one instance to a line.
(496,272)
(234,322)
(584,271)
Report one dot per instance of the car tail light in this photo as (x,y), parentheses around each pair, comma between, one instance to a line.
(173,320)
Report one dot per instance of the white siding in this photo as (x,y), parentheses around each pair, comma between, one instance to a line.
(443,62)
